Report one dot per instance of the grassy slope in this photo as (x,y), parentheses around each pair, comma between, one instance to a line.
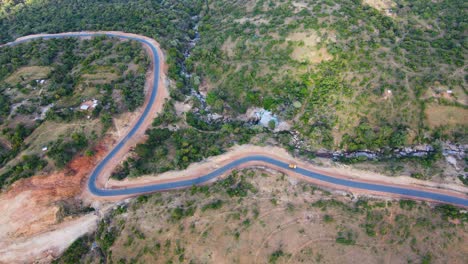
(260,217)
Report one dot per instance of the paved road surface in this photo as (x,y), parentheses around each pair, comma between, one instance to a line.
(94,189)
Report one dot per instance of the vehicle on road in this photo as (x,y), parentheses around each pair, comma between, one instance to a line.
(292,166)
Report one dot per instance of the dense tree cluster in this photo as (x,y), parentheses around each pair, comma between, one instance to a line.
(170,22)
(189,145)
(246,56)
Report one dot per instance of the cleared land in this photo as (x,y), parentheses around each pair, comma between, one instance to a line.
(441,115)
(28,73)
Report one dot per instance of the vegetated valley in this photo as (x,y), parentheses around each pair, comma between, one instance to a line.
(382,88)
(376,84)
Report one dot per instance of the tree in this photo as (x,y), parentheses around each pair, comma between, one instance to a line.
(272,124)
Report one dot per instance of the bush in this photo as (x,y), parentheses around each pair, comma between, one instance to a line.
(214,205)
(28,165)
(62,151)
(75,251)
(346,238)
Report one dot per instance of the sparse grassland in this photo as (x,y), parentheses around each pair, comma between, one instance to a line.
(27,74)
(263,217)
(443,115)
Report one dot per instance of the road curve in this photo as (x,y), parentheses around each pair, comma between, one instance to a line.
(391,190)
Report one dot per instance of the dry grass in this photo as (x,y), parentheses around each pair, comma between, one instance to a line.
(101,75)
(28,74)
(380,5)
(228,47)
(309,51)
(278,217)
(440,115)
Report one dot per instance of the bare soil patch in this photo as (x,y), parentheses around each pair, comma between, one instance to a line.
(229,46)
(382,5)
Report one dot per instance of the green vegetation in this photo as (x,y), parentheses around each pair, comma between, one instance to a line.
(450,211)
(104,69)
(75,251)
(463,179)
(346,238)
(253,55)
(248,57)
(407,204)
(275,256)
(16,138)
(4,107)
(367,137)
(183,211)
(27,167)
(169,22)
(106,235)
(72,71)
(78,66)
(165,149)
(63,150)
(214,205)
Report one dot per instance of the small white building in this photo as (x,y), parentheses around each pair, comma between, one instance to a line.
(89,105)
(84,107)
(95,103)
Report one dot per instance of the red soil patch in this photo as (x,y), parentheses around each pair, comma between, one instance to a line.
(29,206)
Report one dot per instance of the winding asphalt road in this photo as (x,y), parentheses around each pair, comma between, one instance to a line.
(96,190)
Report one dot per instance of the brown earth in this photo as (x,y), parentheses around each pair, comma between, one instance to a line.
(30,206)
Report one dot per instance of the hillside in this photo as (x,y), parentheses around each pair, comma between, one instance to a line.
(336,76)
(368,92)
(343,73)
(264,217)
(60,98)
